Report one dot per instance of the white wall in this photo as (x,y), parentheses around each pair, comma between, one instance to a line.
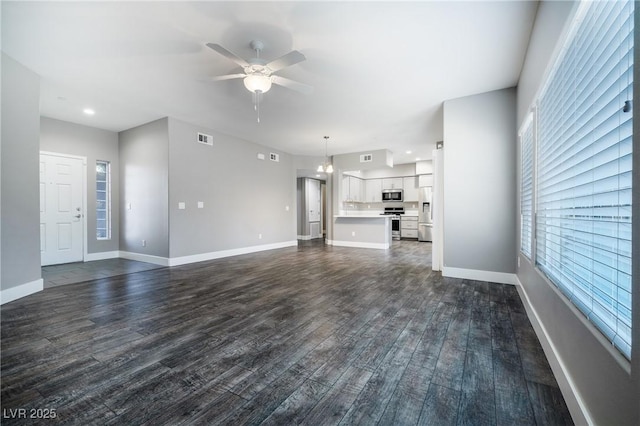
(598,384)
(19,200)
(480,186)
(94,144)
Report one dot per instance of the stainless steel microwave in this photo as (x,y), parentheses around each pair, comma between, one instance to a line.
(389,195)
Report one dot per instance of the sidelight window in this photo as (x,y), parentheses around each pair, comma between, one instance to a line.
(103,200)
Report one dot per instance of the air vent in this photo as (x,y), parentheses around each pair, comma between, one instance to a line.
(274,157)
(366,158)
(205,139)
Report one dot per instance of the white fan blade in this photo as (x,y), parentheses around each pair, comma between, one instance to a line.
(287,60)
(227,77)
(227,54)
(293,85)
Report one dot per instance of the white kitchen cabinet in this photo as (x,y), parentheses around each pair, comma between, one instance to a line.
(355,189)
(352,189)
(410,186)
(345,188)
(425,180)
(373,190)
(392,183)
(409,227)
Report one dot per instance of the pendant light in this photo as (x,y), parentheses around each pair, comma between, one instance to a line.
(325,167)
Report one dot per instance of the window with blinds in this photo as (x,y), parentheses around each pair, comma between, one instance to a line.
(526,186)
(583,155)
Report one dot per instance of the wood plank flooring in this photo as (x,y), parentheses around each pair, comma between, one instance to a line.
(313,335)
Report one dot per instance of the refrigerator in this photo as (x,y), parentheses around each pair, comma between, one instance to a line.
(425,215)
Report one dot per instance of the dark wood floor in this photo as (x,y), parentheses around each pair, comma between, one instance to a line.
(309,335)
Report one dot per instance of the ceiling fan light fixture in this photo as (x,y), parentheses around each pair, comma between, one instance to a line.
(257,83)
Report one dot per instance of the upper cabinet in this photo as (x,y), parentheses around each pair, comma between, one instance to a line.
(352,189)
(410,186)
(373,190)
(392,183)
(425,180)
(355,189)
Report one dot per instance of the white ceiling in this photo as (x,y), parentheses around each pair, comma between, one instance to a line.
(380,70)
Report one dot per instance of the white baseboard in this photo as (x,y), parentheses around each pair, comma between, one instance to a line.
(90,257)
(304,237)
(156,260)
(575,404)
(478,275)
(379,246)
(22,290)
(183,260)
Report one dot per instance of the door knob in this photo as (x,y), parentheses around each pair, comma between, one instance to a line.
(78,216)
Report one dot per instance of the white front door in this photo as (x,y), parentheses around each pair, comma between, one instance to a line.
(61,215)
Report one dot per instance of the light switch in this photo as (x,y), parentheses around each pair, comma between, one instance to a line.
(201,204)
(128,206)
(182,205)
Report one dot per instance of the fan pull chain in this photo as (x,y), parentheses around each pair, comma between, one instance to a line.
(256,104)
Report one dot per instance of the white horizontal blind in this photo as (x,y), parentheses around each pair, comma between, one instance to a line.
(584,145)
(526,186)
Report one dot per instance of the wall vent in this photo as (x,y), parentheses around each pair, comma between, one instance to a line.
(366,158)
(205,139)
(274,157)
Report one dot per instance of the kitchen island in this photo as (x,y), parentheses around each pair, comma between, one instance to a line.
(361,230)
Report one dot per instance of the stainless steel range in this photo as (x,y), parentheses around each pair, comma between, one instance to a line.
(396,212)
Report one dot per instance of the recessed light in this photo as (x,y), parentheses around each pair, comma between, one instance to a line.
(408,152)
(417,158)
(317,175)
(88,111)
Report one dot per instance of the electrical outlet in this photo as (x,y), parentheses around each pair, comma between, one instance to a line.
(353,233)
(144,243)
(259,236)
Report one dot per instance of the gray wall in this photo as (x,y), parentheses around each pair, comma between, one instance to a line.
(243,196)
(599,374)
(379,159)
(20,201)
(144,184)
(550,24)
(94,144)
(398,170)
(480,182)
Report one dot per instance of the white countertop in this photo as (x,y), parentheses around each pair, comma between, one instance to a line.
(361,216)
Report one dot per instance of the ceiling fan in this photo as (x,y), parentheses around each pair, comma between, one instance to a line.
(258,74)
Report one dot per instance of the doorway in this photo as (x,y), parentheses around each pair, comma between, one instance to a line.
(62,208)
